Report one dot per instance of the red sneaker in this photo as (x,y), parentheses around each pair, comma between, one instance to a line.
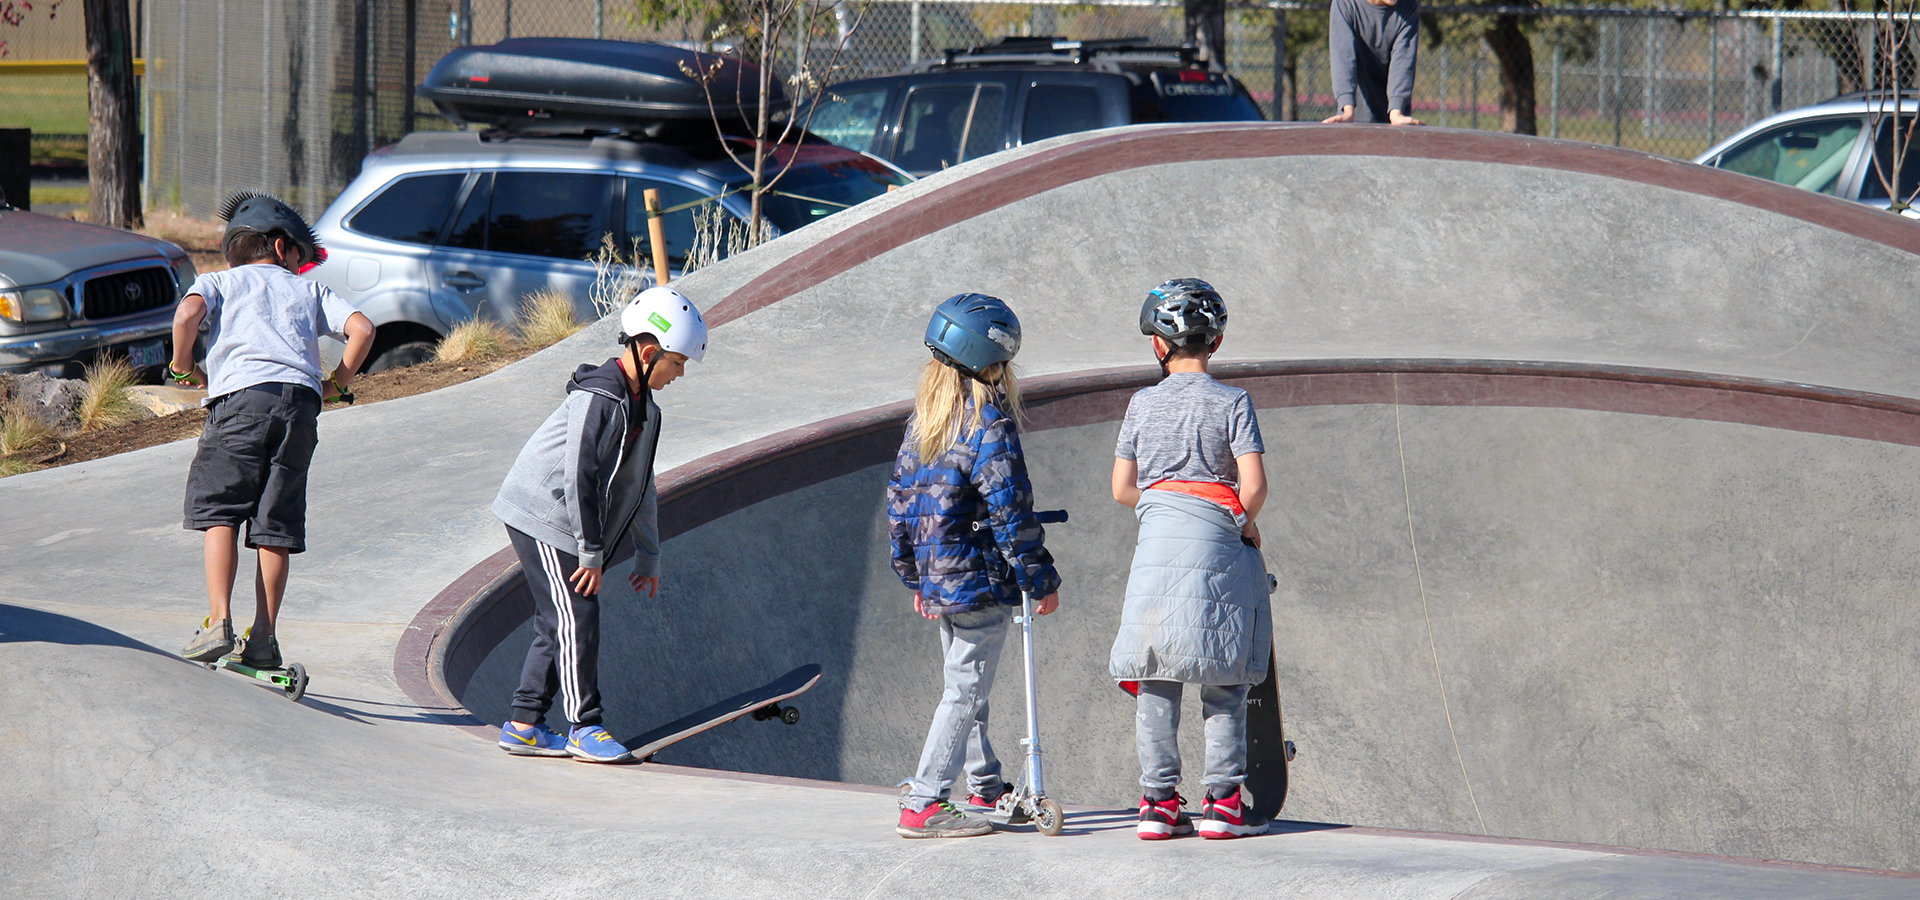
(1163,819)
(941,820)
(1229,818)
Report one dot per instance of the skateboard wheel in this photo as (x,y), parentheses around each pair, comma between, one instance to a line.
(296,681)
(1290,750)
(1048,817)
(790,716)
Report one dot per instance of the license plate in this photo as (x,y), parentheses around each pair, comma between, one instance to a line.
(146,353)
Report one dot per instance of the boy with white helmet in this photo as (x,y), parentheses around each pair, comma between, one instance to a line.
(580,498)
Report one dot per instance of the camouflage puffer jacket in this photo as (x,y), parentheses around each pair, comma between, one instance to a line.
(931,510)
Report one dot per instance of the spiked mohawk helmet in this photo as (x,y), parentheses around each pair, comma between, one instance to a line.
(248,212)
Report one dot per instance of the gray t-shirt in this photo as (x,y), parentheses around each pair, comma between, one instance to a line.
(264,325)
(1189,427)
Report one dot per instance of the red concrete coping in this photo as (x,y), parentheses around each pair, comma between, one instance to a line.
(1022,177)
(453,634)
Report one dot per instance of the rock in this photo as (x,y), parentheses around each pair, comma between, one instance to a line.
(56,401)
(165,400)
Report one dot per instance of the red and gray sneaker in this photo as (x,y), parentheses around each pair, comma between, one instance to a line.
(941,820)
(1163,819)
(1002,805)
(1230,817)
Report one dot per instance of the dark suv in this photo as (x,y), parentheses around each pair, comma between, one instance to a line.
(969,103)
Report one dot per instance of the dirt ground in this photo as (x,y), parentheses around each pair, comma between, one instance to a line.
(387,385)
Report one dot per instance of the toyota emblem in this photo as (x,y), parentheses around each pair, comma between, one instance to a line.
(133,291)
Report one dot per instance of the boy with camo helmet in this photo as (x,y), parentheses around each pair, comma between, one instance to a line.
(264,386)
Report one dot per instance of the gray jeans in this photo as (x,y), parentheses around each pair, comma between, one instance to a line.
(1157,736)
(971,643)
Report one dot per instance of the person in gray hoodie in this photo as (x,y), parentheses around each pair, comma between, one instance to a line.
(580,498)
(1372,46)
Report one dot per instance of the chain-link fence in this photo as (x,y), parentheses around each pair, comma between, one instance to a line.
(40,86)
(290,96)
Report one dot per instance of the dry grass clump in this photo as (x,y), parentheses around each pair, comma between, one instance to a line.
(107,400)
(474,339)
(548,317)
(20,430)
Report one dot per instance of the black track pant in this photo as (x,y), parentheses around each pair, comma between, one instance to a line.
(566,639)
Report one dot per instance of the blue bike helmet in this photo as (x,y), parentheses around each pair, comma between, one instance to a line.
(973,331)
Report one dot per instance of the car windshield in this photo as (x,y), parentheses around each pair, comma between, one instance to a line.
(823,180)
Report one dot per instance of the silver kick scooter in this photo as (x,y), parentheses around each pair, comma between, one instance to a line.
(1030,796)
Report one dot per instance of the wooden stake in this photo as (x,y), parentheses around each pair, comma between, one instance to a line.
(657,233)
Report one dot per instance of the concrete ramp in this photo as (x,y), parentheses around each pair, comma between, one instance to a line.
(1592,513)
(1592,479)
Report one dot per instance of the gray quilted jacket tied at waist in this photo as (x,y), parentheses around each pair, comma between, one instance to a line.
(1197,608)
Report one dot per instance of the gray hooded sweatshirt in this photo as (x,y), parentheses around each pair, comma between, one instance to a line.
(1372,50)
(584,481)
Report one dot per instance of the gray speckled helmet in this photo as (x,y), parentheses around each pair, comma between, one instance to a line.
(1183,312)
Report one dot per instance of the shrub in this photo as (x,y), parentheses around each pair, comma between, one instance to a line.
(21,430)
(547,317)
(474,339)
(106,400)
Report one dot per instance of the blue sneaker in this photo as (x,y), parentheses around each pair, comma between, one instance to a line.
(593,744)
(536,741)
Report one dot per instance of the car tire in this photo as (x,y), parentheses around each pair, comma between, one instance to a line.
(411,353)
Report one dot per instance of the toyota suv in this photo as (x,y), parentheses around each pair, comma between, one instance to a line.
(70,292)
(969,103)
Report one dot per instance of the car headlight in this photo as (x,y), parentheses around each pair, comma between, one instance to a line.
(33,305)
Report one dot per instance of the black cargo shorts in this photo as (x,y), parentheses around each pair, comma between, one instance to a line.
(251,468)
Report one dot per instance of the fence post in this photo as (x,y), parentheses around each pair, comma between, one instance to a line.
(1553,129)
(599,20)
(412,61)
(913,12)
(1713,76)
(1473,77)
(1619,86)
(1779,58)
(1280,104)
(466,23)
(1446,81)
(506,22)
(1646,77)
(220,106)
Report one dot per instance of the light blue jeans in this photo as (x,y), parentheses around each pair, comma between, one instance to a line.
(1157,736)
(971,643)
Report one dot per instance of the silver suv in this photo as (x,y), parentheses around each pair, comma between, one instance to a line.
(446,226)
(70,292)
(1829,147)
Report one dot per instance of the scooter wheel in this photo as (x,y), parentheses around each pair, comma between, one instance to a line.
(1048,817)
(790,716)
(296,681)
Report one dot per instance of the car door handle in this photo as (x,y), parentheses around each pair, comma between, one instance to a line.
(465,281)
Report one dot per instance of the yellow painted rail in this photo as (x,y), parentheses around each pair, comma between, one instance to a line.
(57,67)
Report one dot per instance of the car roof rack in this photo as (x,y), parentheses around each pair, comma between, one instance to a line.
(1044,51)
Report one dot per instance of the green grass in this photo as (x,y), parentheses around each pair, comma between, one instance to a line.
(44,194)
(56,104)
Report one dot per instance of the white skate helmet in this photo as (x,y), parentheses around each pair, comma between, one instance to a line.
(670,317)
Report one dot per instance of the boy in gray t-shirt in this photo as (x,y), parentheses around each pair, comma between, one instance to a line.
(1188,462)
(264,387)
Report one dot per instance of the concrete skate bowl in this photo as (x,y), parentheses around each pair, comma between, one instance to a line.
(1630,563)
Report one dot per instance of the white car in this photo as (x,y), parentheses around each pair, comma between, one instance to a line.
(1830,147)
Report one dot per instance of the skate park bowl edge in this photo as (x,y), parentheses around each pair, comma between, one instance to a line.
(1591,505)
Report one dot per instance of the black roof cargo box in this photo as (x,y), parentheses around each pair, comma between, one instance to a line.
(558,85)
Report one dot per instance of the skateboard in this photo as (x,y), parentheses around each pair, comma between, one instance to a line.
(292,679)
(1268,750)
(763,703)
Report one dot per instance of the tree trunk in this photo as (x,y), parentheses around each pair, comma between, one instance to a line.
(1515,56)
(113,122)
(1207,31)
(1289,108)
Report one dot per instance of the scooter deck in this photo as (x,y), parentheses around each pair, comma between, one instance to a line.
(291,679)
(767,696)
